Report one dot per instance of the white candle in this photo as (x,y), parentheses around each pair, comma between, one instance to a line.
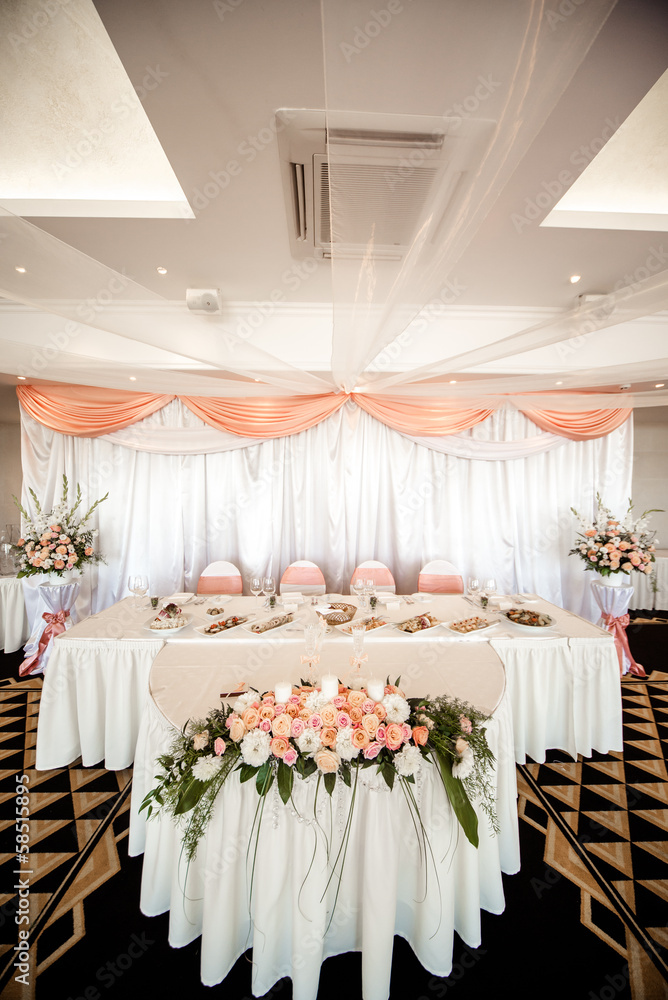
(282,692)
(375,689)
(329,685)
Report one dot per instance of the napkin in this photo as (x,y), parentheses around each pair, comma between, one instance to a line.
(393,605)
(290,605)
(502,603)
(294,597)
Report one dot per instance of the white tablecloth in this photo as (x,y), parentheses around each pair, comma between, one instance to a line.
(388,887)
(14,627)
(118,648)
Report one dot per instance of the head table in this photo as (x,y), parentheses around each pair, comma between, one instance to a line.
(563,687)
(115,691)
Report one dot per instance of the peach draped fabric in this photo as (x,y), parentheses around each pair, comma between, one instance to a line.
(219,585)
(264,417)
(84,411)
(578,426)
(429,416)
(87,411)
(436,583)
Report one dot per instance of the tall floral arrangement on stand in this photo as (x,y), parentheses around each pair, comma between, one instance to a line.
(56,541)
(609,546)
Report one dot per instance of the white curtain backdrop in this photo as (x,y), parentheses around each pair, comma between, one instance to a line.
(346,490)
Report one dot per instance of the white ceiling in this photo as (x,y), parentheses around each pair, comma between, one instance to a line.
(208,79)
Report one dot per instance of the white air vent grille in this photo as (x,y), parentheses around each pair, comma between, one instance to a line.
(382,169)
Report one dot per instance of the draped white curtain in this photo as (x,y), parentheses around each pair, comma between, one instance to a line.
(346,490)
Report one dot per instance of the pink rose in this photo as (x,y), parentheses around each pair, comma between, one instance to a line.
(368,706)
(314,722)
(356,698)
(380,733)
(290,756)
(298,727)
(219,746)
(380,711)
(265,726)
(466,724)
(237,728)
(372,750)
(328,715)
(394,736)
(420,735)
(251,717)
(328,736)
(408,732)
(342,720)
(370,724)
(267,712)
(338,701)
(279,709)
(294,700)
(268,699)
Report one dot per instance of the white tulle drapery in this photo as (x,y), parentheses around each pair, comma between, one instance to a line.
(345,490)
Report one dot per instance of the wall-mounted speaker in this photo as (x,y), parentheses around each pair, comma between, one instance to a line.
(204,300)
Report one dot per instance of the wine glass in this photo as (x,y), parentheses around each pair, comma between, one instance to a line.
(137,585)
(269,586)
(490,586)
(256,587)
(358,630)
(359,588)
(473,586)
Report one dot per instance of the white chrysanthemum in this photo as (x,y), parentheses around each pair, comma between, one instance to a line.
(255,747)
(316,700)
(245,700)
(344,744)
(206,767)
(409,761)
(464,766)
(397,708)
(358,683)
(309,741)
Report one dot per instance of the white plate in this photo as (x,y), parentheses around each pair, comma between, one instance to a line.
(419,631)
(422,598)
(166,631)
(209,635)
(465,635)
(177,599)
(276,628)
(530,628)
(345,626)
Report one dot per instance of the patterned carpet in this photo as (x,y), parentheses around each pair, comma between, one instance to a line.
(590,906)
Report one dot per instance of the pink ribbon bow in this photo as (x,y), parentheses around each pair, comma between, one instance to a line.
(617,627)
(357,661)
(55,624)
(312,661)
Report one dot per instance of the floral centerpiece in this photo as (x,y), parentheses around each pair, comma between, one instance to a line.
(610,546)
(333,739)
(56,541)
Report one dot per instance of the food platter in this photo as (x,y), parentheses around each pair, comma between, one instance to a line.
(469,626)
(270,624)
(372,623)
(417,624)
(530,621)
(149,626)
(220,627)
(336,614)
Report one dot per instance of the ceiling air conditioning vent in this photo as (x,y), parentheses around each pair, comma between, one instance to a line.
(370,177)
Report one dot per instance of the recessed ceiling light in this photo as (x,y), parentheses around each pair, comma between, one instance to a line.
(659,385)
(574,278)
(161,270)
(453,381)
(133,378)
(21,377)
(21,270)
(558,383)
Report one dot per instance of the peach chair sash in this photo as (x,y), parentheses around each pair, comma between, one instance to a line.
(437,583)
(219,585)
(376,571)
(303,576)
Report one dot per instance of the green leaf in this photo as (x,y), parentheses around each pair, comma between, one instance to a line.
(345,774)
(330,783)
(388,773)
(459,800)
(285,778)
(246,772)
(310,766)
(190,796)
(264,778)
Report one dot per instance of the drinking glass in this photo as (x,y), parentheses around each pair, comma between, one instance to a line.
(311,632)
(490,586)
(474,586)
(137,585)
(359,588)
(256,587)
(269,586)
(358,630)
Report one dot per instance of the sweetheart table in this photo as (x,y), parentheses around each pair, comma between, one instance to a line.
(563,687)
(390,884)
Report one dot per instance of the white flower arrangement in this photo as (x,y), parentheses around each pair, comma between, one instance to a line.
(610,546)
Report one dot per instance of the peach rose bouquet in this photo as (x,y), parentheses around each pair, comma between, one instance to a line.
(57,540)
(610,546)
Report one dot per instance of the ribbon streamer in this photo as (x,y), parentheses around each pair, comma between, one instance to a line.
(617,627)
(55,624)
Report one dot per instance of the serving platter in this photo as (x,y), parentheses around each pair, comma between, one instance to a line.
(252,627)
(368,621)
(540,624)
(170,628)
(241,620)
(422,628)
(474,629)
